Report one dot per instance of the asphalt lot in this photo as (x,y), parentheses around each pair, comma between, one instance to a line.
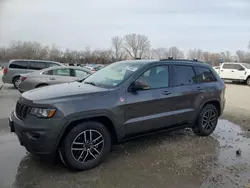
(178,159)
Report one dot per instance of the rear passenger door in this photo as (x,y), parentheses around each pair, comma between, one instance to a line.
(207,84)
(183,82)
(37,65)
(226,71)
(62,75)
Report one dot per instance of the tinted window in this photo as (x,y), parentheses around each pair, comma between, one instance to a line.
(204,75)
(238,67)
(81,73)
(182,75)
(61,72)
(37,65)
(50,72)
(19,65)
(246,65)
(227,66)
(156,77)
(52,65)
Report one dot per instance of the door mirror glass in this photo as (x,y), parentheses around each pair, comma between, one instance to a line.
(139,85)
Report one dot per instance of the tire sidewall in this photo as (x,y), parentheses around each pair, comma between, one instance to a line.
(65,148)
(15,80)
(248,81)
(199,128)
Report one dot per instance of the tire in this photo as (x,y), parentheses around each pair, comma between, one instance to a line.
(205,129)
(16,82)
(248,81)
(85,156)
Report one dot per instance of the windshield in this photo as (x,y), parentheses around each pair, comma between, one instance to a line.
(113,75)
(246,65)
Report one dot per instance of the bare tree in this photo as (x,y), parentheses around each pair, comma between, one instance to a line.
(175,53)
(160,53)
(117,43)
(195,54)
(227,57)
(241,55)
(136,45)
(207,57)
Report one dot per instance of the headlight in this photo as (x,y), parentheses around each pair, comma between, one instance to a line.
(42,112)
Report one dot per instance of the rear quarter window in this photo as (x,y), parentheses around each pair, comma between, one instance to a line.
(19,65)
(204,75)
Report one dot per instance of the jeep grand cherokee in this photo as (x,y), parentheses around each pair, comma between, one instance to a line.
(81,120)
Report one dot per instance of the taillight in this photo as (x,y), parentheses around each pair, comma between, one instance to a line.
(22,78)
(5,70)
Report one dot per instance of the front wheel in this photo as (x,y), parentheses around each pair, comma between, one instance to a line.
(207,121)
(85,146)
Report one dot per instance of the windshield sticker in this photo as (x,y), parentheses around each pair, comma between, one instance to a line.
(131,68)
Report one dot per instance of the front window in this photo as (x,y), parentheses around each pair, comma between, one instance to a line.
(114,74)
(246,65)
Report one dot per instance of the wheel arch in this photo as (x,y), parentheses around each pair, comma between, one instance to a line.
(104,119)
(41,84)
(214,102)
(16,76)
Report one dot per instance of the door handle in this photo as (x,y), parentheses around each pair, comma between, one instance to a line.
(52,78)
(166,93)
(232,71)
(221,70)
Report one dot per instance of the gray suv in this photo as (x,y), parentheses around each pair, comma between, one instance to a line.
(12,72)
(82,119)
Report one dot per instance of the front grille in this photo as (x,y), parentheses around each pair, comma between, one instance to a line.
(22,110)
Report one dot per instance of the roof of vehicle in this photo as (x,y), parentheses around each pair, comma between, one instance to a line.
(49,61)
(66,67)
(186,61)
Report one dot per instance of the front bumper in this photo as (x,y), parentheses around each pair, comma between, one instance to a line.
(38,137)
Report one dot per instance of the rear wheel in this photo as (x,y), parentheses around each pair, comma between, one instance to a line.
(85,146)
(207,121)
(248,81)
(16,82)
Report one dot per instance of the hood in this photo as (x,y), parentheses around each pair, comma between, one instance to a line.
(62,91)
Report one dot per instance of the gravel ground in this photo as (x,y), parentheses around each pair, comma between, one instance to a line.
(174,160)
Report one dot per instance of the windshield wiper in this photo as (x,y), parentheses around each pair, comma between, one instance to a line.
(92,83)
(80,80)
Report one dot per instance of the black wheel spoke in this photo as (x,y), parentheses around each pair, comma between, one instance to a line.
(87,146)
(208,119)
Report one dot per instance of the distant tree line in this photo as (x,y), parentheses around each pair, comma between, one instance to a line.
(131,46)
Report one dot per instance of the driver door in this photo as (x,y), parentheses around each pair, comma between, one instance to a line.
(150,109)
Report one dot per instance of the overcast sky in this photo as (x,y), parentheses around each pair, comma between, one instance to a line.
(214,25)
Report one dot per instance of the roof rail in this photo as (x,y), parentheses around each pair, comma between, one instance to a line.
(171,58)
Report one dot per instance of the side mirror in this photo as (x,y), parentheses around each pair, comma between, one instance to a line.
(139,85)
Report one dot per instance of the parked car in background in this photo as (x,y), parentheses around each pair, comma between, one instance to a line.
(235,71)
(12,72)
(94,67)
(81,120)
(51,76)
(217,69)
